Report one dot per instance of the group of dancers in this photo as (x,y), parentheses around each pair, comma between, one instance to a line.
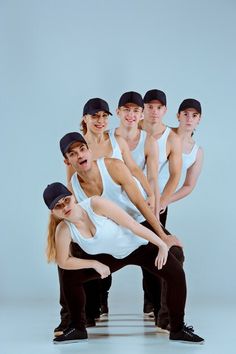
(113,211)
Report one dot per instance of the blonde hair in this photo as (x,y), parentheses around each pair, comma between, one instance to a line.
(51,243)
(83,126)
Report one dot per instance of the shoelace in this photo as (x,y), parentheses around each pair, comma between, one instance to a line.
(68,332)
(188,328)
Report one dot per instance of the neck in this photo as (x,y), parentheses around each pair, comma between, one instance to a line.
(90,175)
(153,128)
(128,133)
(98,138)
(183,134)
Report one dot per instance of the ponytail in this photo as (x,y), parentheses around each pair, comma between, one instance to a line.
(51,243)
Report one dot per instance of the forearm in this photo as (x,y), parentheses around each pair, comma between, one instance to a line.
(150,217)
(155,188)
(73,263)
(170,188)
(181,193)
(145,233)
(136,172)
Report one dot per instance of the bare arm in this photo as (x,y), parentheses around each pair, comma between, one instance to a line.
(152,158)
(66,261)
(175,165)
(122,176)
(111,210)
(69,172)
(135,170)
(191,179)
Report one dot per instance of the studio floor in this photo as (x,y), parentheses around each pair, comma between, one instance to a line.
(28,328)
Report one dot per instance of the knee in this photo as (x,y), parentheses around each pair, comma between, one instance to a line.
(178,253)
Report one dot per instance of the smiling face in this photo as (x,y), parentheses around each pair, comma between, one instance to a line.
(154,111)
(64,208)
(130,114)
(189,119)
(96,123)
(79,157)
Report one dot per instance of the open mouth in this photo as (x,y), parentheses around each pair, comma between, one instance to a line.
(83,162)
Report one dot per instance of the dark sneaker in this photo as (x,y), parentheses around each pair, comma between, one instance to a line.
(186,335)
(104,312)
(148,310)
(61,327)
(71,335)
(163,325)
(90,322)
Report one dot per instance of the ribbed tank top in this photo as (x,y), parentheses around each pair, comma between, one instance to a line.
(109,238)
(138,153)
(161,142)
(116,152)
(111,191)
(187,161)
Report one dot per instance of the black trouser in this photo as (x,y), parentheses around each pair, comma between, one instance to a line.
(145,257)
(150,284)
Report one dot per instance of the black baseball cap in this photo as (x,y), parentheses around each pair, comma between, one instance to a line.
(95,105)
(155,94)
(69,139)
(131,97)
(190,103)
(53,193)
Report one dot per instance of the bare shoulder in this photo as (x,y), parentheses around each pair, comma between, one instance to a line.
(200,153)
(61,229)
(174,139)
(113,163)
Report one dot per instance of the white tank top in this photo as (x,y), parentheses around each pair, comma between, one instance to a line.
(109,237)
(138,154)
(161,142)
(116,152)
(111,191)
(187,161)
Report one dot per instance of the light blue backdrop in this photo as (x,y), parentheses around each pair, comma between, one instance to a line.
(57,54)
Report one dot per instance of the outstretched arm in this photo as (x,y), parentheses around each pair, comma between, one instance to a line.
(152,158)
(175,165)
(122,176)
(112,211)
(191,179)
(136,171)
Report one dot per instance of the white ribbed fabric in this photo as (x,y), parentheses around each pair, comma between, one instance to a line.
(116,153)
(111,191)
(109,238)
(138,153)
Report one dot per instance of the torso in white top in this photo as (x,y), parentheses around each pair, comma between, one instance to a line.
(111,191)
(116,152)
(138,154)
(187,161)
(109,238)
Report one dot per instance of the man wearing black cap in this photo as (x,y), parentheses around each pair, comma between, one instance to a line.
(109,178)
(169,146)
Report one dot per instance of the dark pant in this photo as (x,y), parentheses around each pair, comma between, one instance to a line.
(154,288)
(144,256)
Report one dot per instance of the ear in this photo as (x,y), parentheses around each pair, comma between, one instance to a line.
(66,162)
(177,115)
(118,111)
(199,119)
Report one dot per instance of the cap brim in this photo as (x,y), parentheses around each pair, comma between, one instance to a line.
(94,111)
(54,202)
(73,142)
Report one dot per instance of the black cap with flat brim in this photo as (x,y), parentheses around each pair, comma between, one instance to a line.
(190,103)
(130,97)
(69,139)
(53,193)
(95,105)
(155,95)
